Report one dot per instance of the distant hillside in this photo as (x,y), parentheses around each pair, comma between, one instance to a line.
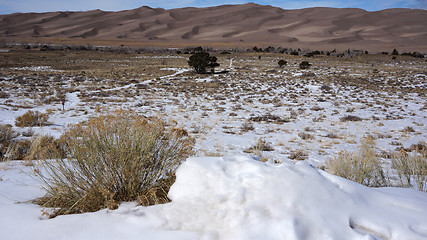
(239,24)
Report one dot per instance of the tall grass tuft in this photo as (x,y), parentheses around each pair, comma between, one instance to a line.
(45,147)
(114,158)
(361,166)
(411,168)
(6,136)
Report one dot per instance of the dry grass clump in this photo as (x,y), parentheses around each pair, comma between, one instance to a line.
(361,166)
(45,147)
(114,158)
(31,119)
(6,135)
(269,118)
(408,129)
(247,126)
(350,118)
(411,168)
(28,133)
(298,154)
(260,146)
(17,150)
(305,136)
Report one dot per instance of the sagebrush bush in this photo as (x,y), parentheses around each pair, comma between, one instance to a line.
(17,150)
(411,168)
(44,147)
(32,119)
(114,158)
(6,135)
(361,166)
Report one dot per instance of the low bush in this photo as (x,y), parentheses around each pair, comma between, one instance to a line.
(411,169)
(304,65)
(282,63)
(305,136)
(45,147)
(6,135)
(298,154)
(351,118)
(114,158)
(260,146)
(362,166)
(269,118)
(32,119)
(247,126)
(17,150)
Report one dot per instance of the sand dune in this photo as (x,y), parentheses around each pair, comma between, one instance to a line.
(246,23)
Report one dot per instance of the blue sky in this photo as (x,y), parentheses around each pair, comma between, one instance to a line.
(10,6)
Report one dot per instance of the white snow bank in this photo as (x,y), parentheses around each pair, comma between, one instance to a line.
(228,198)
(238,198)
(19,219)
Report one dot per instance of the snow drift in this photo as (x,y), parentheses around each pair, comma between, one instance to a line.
(238,198)
(229,198)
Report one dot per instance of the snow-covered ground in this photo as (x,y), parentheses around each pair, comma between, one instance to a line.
(222,197)
(227,198)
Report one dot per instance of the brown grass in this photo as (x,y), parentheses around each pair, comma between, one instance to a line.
(361,166)
(411,168)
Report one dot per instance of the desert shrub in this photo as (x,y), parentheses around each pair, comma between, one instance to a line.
(361,166)
(247,126)
(331,135)
(420,147)
(269,118)
(31,119)
(260,146)
(45,147)
(305,136)
(408,129)
(304,65)
(298,154)
(6,135)
(282,63)
(411,169)
(395,52)
(114,158)
(28,133)
(326,88)
(311,54)
(4,94)
(17,150)
(413,54)
(350,118)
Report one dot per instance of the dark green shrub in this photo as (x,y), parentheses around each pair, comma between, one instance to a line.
(304,65)
(395,52)
(282,63)
(200,61)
